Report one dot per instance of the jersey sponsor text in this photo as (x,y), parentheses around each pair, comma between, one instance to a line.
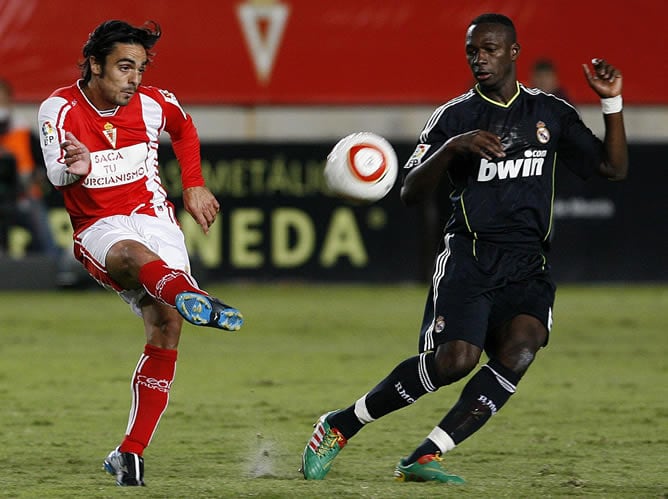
(116,167)
(530,165)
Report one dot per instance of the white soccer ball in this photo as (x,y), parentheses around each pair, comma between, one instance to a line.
(362,167)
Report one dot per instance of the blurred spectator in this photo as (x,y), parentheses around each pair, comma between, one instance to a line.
(544,76)
(21,197)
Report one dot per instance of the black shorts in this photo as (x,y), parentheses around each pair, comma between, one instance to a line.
(479,286)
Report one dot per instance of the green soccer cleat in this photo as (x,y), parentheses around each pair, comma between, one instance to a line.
(324,445)
(426,469)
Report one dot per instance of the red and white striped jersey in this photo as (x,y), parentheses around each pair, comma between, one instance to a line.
(123,143)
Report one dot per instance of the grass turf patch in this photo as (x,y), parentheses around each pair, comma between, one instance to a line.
(589,418)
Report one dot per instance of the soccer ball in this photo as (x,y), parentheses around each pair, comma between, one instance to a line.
(362,167)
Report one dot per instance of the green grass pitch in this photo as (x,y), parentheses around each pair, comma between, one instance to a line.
(590,419)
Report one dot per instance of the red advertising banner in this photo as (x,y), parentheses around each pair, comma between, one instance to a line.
(344,52)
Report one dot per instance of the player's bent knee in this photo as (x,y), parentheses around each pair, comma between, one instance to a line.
(523,360)
(455,360)
(517,357)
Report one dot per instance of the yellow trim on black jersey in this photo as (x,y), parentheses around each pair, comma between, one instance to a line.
(466,218)
(500,104)
(554,170)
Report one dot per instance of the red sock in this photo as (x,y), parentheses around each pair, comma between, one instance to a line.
(151,383)
(164,283)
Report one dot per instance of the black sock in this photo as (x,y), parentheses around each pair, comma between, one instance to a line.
(426,447)
(404,385)
(484,394)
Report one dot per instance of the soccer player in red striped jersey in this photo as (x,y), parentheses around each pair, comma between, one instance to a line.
(99,137)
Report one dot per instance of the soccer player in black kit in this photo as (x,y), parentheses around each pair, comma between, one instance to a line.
(491,291)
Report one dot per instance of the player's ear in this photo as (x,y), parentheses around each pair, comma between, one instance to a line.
(515,50)
(95,66)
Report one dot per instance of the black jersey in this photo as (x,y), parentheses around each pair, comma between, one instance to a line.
(509,199)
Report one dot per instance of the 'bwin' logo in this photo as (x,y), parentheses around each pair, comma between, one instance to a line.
(530,165)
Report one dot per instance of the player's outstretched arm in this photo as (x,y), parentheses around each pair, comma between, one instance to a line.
(606,81)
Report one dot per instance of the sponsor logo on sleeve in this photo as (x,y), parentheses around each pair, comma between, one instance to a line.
(171,98)
(418,154)
(48,133)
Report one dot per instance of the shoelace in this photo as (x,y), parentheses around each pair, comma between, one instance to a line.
(330,439)
(433,457)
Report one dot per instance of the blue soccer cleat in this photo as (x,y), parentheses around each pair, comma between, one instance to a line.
(203,310)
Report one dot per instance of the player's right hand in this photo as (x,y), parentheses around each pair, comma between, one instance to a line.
(477,142)
(76,155)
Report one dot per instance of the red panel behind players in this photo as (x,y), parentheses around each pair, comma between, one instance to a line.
(344,52)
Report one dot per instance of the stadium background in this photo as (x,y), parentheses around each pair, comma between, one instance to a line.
(273,84)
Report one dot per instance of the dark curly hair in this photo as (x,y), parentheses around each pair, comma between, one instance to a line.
(101,41)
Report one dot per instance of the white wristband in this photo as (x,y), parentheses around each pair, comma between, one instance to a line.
(612,105)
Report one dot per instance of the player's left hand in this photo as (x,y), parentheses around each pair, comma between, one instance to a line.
(605,79)
(202,206)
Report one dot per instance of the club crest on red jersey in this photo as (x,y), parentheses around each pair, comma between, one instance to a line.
(110,133)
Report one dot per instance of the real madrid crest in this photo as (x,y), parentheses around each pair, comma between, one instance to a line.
(110,133)
(439,326)
(542,133)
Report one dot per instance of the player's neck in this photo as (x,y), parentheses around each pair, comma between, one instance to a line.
(95,97)
(502,95)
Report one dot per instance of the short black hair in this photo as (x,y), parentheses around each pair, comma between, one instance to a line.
(101,41)
(493,18)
